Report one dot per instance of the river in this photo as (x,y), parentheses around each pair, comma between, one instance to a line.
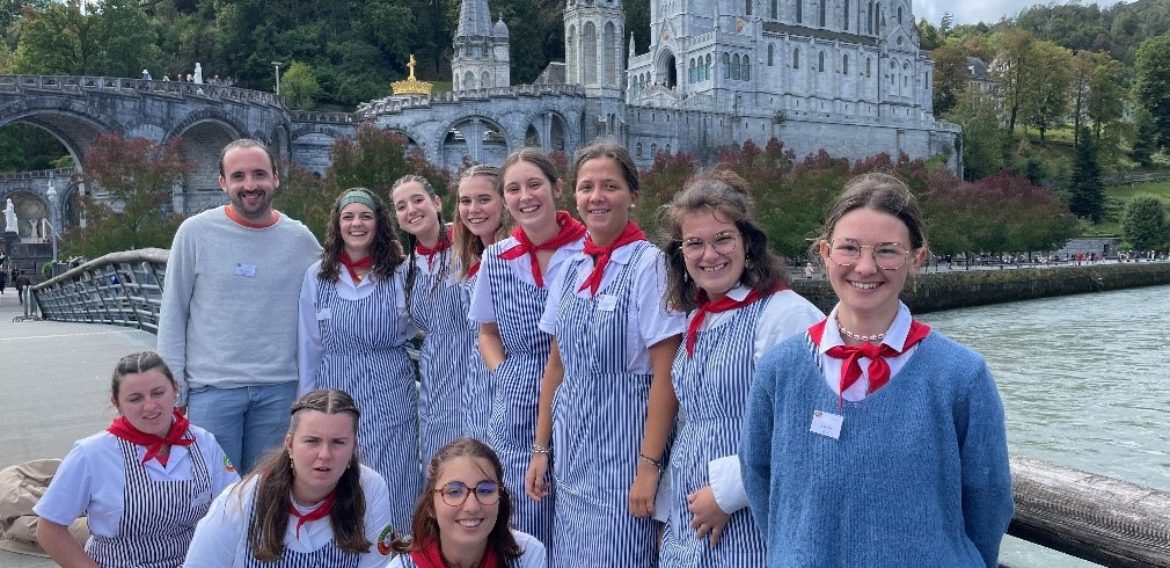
(1086,384)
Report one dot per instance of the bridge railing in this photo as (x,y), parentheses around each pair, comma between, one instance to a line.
(20,84)
(122,288)
(1104,520)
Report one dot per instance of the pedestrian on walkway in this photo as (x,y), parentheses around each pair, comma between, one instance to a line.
(22,284)
(143,483)
(353,334)
(228,322)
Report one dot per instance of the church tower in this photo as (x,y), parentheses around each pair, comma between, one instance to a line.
(481,59)
(594,54)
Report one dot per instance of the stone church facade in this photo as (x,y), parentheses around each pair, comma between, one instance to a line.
(846,76)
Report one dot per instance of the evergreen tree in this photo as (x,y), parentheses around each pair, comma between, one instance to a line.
(1152,71)
(1087,194)
(1144,224)
(1145,139)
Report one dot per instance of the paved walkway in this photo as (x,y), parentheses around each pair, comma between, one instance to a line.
(54,388)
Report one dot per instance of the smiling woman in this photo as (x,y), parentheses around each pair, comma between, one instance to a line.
(353,301)
(311,503)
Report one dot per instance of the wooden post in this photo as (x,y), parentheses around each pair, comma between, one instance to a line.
(1104,520)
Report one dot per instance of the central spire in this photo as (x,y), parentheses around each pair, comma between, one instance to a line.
(474,19)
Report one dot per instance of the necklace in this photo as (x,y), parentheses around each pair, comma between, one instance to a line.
(858,336)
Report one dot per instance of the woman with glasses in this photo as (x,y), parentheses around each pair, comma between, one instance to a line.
(719,270)
(609,369)
(310,503)
(871,440)
(462,516)
(353,333)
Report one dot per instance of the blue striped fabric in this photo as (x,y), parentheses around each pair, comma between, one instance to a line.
(477,387)
(365,356)
(599,416)
(712,390)
(328,556)
(158,517)
(439,308)
(516,387)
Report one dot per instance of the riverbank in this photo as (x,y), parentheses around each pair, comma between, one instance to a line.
(951,289)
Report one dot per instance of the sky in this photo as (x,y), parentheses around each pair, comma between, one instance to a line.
(975,11)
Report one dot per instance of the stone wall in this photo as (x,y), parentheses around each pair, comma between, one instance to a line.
(965,289)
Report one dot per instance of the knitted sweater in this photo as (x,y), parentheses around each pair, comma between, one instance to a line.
(918,477)
(229,306)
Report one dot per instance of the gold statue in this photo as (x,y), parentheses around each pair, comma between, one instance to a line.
(411,85)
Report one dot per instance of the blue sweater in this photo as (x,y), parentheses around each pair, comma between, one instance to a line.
(918,477)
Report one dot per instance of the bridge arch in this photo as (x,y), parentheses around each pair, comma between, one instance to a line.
(480,138)
(204,133)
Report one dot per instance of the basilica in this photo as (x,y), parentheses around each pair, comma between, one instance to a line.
(845,76)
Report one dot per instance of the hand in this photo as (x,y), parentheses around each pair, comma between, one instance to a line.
(709,518)
(644,489)
(535,482)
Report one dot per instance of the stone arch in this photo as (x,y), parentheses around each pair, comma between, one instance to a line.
(532,137)
(204,134)
(480,138)
(71,122)
(589,52)
(667,72)
(468,81)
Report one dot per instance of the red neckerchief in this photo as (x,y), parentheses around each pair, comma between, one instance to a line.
(352,265)
(630,234)
(240,220)
(443,244)
(724,304)
(879,369)
(122,428)
(570,230)
(471,272)
(319,512)
(430,557)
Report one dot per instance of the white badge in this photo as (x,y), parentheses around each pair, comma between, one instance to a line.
(606,303)
(826,424)
(245,269)
(324,314)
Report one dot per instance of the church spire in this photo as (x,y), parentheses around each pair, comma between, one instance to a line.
(474,19)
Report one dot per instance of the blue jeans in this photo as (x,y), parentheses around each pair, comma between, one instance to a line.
(247,422)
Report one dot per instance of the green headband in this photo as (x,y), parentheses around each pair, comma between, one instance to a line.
(357,196)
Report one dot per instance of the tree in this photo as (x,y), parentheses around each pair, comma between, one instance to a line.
(982,139)
(1145,138)
(299,86)
(1086,194)
(1045,89)
(1144,223)
(950,77)
(126,42)
(138,176)
(1152,86)
(58,40)
(928,36)
(1009,71)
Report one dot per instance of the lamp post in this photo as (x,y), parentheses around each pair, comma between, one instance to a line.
(51,193)
(277,65)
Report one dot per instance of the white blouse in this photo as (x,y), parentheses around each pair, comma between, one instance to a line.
(483,309)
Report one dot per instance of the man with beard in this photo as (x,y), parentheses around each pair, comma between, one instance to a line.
(228,320)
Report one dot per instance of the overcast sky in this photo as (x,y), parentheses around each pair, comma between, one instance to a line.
(975,11)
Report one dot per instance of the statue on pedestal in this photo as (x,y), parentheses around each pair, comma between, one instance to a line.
(10,223)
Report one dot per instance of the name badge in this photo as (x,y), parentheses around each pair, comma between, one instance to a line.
(324,314)
(606,303)
(246,270)
(826,424)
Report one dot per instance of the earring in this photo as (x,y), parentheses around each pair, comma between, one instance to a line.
(632,205)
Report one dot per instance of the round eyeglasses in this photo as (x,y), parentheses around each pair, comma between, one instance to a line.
(887,256)
(455,493)
(723,243)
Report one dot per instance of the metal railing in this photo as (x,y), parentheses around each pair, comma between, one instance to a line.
(121,288)
(1104,520)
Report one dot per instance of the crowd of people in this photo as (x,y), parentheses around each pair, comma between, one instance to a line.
(585,395)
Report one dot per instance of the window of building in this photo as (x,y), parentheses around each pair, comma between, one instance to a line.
(638,150)
(867,68)
(726,65)
(796,58)
(747,7)
(899,14)
(799,11)
(771,50)
(845,64)
(845,18)
(823,10)
(653,150)
(821,62)
(735,67)
(747,69)
(773,11)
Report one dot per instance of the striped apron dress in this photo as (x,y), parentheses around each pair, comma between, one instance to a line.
(439,309)
(158,517)
(364,354)
(599,416)
(476,402)
(712,391)
(328,556)
(516,389)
